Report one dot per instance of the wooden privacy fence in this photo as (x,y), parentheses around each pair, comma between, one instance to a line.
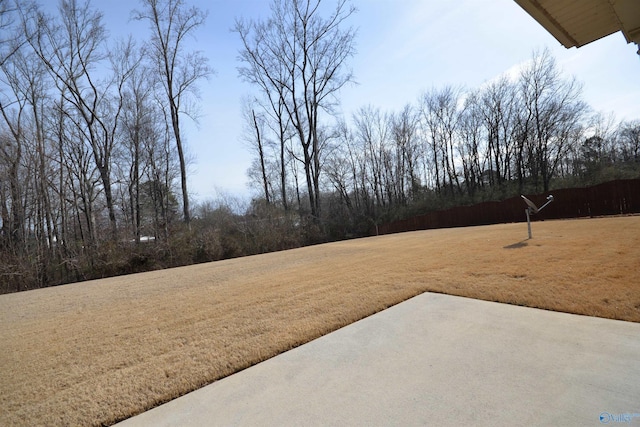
(609,198)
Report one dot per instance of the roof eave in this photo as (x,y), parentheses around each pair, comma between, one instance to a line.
(540,14)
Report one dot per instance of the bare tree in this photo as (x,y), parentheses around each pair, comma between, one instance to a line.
(629,141)
(470,148)
(299,57)
(137,118)
(372,133)
(404,128)
(179,71)
(161,170)
(498,112)
(553,112)
(256,138)
(12,36)
(268,74)
(440,115)
(73,53)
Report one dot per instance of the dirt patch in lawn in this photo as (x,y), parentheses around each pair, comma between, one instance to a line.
(97,352)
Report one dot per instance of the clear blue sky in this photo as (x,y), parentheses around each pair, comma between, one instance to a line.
(404,47)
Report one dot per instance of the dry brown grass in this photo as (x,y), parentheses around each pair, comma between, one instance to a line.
(97,352)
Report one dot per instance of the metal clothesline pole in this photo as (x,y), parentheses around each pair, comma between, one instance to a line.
(533,209)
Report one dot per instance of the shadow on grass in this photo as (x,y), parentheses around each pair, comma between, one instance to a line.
(518,245)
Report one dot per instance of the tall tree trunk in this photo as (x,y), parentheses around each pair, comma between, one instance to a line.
(175,122)
(265,182)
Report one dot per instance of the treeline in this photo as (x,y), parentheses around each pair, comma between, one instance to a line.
(92,167)
(525,133)
(91,154)
(93,178)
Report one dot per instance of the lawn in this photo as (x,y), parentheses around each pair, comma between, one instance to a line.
(97,352)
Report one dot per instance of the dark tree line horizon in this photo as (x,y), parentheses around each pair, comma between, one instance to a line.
(93,181)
